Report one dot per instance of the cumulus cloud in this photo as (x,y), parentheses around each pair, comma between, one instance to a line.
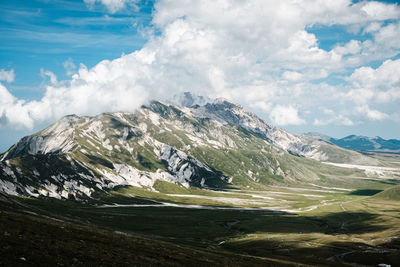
(261,105)
(258,53)
(292,75)
(381,84)
(352,47)
(337,120)
(360,95)
(372,27)
(285,115)
(52,77)
(7,76)
(386,75)
(13,112)
(69,66)
(113,6)
(328,111)
(371,114)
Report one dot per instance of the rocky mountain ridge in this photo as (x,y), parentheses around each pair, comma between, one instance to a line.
(213,145)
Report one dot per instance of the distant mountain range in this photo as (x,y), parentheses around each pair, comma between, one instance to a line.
(361,143)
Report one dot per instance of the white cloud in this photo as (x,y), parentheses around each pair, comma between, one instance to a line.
(337,120)
(285,115)
(292,75)
(69,66)
(328,111)
(113,6)
(352,47)
(386,75)
(360,95)
(381,84)
(13,112)
(371,114)
(261,105)
(385,43)
(379,11)
(373,27)
(5,97)
(51,75)
(258,53)
(7,76)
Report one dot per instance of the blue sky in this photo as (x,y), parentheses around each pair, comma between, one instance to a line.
(333,70)
(40,34)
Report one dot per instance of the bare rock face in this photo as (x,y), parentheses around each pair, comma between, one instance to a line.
(188,170)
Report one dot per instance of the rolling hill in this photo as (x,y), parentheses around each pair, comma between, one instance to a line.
(360,143)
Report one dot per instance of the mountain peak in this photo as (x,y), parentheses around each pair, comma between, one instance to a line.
(225,102)
(71,116)
(185,145)
(318,136)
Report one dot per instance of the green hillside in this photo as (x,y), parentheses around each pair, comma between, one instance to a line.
(392,193)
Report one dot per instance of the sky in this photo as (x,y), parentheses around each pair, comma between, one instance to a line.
(323,66)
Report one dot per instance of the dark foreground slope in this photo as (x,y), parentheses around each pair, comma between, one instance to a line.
(28,239)
(351,230)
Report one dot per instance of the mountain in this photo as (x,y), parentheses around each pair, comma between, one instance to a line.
(214,145)
(356,142)
(361,143)
(318,136)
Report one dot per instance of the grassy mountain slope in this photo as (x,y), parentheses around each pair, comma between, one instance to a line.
(216,145)
(392,193)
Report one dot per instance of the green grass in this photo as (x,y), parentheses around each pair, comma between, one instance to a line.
(351,222)
(392,193)
(132,191)
(33,241)
(170,188)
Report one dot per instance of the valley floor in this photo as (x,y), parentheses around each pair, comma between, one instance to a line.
(313,225)
(31,241)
